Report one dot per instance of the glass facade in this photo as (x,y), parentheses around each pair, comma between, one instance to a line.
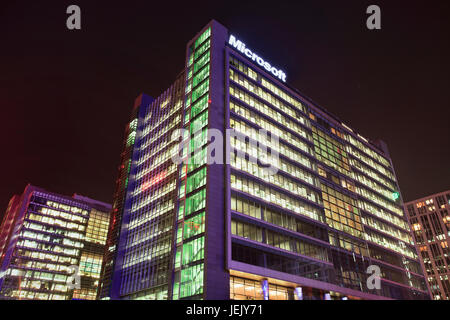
(193,229)
(54,240)
(143,262)
(189,273)
(121,186)
(326,173)
(430,222)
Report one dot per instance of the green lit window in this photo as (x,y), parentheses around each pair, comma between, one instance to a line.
(201,62)
(178,257)
(176,288)
(183,171)
(180,212)
(131,137)
(199,77)
(187,102)
(198,159)
(200,90)
(199,139)
(133,125)
(186,117)
(205,35)
(193,250)
(202,49)
(182,190)
(199,123)
(188,88)
(196,180)
(191,281)
(199,106)
(179,233)
(194,226)
(195,202)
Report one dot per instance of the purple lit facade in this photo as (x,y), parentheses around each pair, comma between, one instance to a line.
(52,246)
(229,231)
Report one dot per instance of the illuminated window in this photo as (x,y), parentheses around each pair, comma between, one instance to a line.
(90,264)
(191,282)
(341,211)
(97,228)
(196,202)
(205,35)
(194,226)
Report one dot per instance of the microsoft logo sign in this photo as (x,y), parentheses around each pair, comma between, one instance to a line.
(240,46)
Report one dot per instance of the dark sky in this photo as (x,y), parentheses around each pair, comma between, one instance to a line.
(65,96)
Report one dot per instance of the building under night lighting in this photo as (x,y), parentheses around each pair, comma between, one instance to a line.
(430,222)
(47,241)
(232,231)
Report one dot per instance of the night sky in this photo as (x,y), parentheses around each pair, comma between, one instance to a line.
(65,96)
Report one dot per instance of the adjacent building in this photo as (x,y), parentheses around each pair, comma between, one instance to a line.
(430,222)
(119,198)
(262,195)
(144,234)
(52,246)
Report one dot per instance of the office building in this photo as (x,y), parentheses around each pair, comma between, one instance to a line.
(294,204)
(430,222)
(164,114)
(52,246)
(119,198)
